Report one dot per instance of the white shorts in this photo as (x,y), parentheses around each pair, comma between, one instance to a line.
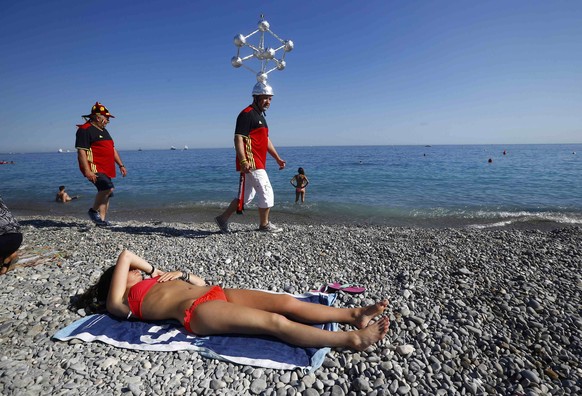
(257,183)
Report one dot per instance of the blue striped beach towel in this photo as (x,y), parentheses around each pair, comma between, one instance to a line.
(257,351)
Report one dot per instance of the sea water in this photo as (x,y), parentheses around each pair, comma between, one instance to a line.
(456,185)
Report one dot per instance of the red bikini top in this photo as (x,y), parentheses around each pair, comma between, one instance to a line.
(137,293)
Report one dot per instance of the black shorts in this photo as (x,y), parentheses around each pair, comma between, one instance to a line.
(9,243)
(103,182)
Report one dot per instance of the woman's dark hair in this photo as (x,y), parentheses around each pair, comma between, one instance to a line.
(301,171)
(95,297)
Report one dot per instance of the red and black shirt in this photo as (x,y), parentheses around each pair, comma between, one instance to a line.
(99,147)
(252,126)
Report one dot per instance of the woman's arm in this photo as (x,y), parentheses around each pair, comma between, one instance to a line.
(125,262)
(292,180)
(196,280)
(184,275)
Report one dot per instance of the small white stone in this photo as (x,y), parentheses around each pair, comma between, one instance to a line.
(404,350)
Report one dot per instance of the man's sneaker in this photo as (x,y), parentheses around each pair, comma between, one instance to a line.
(223,225)
(270,227)
(95,216)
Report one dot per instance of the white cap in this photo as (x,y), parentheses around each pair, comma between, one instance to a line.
(262,88)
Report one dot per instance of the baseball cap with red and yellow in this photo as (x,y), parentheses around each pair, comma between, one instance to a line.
(99,108)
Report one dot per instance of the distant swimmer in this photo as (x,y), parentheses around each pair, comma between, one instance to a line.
(504,152)
(490,160)
(63,197)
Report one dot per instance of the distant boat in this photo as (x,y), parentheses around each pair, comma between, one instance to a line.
(428,145)
(139,149)
(172,148)
(61,151)
(185,147)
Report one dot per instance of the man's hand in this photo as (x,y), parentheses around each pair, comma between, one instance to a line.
(281,163)
(92,177)
(245,167)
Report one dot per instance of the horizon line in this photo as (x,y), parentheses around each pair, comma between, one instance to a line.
(172,148)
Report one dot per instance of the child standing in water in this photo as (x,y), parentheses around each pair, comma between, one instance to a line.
(299,181)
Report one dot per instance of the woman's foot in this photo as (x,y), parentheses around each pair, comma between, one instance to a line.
(365,337)
(366,314)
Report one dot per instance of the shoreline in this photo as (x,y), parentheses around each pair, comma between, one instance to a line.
(282,216)
(484,311)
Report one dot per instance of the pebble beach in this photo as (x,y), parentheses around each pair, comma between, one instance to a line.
(473,312)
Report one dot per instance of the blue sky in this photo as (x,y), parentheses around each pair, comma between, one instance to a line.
(362,72)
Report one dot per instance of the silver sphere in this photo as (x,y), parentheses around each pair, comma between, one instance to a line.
(239,40)
(264,26)
(288,45)
(281,65)
(269,53)
(262,77)
(236,61)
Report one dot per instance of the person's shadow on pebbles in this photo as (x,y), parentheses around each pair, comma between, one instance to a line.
(156,229)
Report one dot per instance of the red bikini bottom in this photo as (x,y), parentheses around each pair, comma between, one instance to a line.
(215,293)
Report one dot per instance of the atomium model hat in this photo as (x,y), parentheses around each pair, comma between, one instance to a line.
(264,54)
(98,108)
(261,88)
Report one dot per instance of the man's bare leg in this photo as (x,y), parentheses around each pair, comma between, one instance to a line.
(264,216)
(101,203)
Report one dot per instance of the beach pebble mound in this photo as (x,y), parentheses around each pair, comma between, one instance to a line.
(472,312)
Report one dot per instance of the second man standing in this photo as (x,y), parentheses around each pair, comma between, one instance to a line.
(252,143)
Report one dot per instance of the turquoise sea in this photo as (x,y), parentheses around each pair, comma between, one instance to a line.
(395,185)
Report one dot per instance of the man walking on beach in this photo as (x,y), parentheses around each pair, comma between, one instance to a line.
(252,143)
(97,157)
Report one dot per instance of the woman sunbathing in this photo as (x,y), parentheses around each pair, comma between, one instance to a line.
(206,310)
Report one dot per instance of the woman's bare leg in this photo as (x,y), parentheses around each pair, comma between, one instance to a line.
(221,317)
(304,312)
